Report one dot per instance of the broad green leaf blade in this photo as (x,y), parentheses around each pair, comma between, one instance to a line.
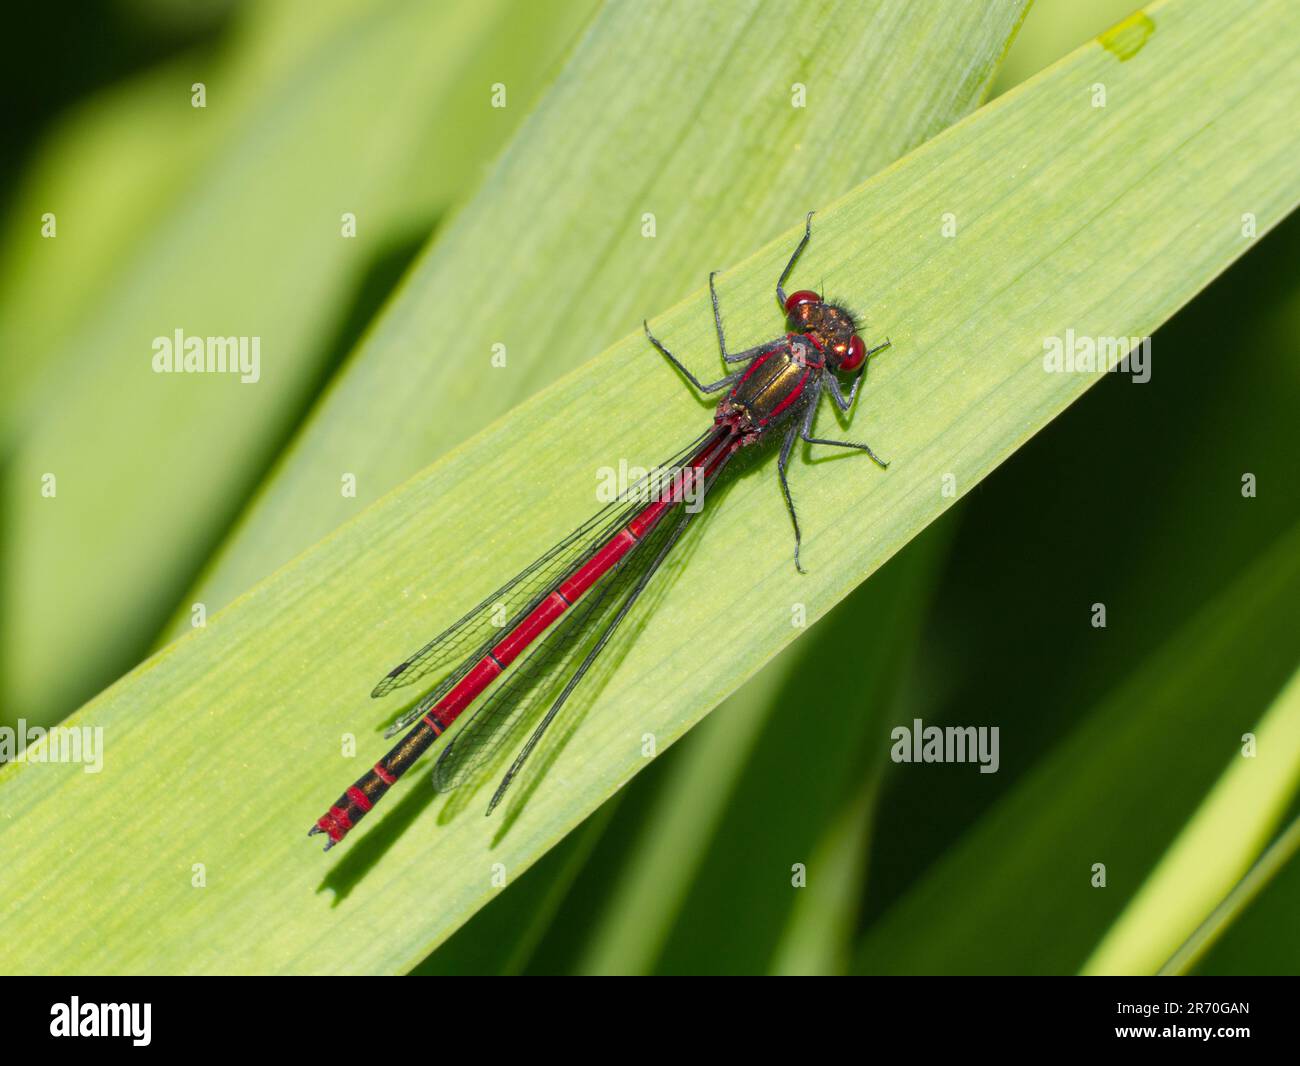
(1214,851)
(224,747)
(1168,425)
(1124,782)
(151,467)
(620,193)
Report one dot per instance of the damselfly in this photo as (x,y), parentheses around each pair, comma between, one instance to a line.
(559,613)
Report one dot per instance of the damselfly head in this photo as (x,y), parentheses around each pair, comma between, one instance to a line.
(832,329)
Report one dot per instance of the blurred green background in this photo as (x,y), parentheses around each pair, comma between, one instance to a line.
(1132,499)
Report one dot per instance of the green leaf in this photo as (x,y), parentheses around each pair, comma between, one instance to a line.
(223,748)
(552,259)
(244,237)
(1032,674)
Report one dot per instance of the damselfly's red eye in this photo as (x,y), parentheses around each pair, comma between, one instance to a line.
(803,296)
(856,356)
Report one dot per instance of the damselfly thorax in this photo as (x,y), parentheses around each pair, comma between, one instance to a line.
(773,389)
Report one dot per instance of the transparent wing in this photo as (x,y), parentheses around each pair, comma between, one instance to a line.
(463,643)
(642,578)
(555,665)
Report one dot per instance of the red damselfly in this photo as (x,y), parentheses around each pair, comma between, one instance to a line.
(560,612)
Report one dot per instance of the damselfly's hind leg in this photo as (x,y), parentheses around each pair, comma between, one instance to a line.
(721,383)
(781,463)
(785,274)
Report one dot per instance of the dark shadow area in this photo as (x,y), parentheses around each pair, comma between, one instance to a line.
(359,854)
(63,51)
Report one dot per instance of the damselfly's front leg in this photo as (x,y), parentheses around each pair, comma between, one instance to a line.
(785,274)
(833,383)
(721,383)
